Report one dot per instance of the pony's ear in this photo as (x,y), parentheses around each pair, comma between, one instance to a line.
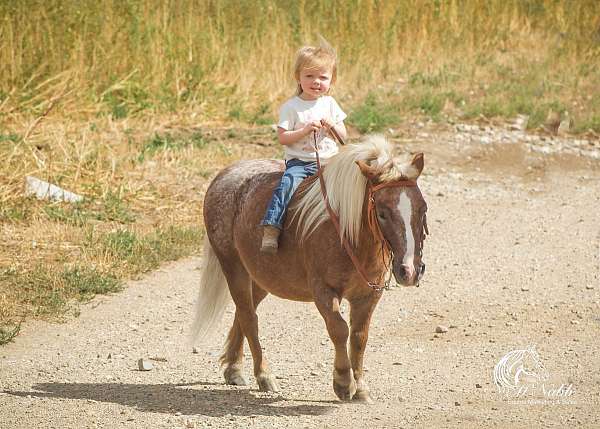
(367,171)
(372,172)
(411,169)
(418,162)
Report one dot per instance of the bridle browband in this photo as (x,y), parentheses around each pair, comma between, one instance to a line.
(372,221)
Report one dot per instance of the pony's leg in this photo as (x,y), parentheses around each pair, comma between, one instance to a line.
(361,311)
(240,287)
(233,355)
(328,304)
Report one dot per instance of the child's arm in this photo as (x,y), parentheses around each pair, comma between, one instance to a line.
(287,138)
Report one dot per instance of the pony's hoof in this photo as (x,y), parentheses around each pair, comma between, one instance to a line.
(234,377)
(363,397)
(345,393)
(344,385)
(266,383)
(363,394)
(237,380)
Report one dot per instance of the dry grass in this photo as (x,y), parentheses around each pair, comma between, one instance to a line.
(231,60)
(143,206)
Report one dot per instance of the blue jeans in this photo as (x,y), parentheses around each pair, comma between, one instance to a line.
(295,172)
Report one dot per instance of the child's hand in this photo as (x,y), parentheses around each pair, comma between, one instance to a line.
(328,124)
(311,126)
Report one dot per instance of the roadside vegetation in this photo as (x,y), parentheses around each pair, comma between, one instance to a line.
(135,105)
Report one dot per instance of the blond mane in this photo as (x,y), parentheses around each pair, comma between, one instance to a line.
(346,187)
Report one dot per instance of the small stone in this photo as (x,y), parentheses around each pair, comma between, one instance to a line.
(440,329)
(478,386)
(574,322)
(524,288)
(457,404)
(314,373)
(159,359)
(195,350)
(144,365)
(590,287)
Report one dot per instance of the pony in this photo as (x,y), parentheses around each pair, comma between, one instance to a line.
(311,264)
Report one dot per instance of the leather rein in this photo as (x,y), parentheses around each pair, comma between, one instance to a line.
(371,220)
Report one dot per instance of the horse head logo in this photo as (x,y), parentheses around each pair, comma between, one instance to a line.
(520,369)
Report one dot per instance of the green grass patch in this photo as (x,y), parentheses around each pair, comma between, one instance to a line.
(427,103)
(165,142)
(10,137)
(111,208)
(84,283)
(45,292)
(8,332)
(590,123)
(143,253)
(261,115)
(126,99)
(373,115)
(17,210)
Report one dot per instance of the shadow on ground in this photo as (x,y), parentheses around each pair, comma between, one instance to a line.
(205,399)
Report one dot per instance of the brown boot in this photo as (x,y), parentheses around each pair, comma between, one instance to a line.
(270,239)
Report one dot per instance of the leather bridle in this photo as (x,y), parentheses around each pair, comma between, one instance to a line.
(371,220)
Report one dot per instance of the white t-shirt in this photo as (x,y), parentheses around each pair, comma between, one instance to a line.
(296,112)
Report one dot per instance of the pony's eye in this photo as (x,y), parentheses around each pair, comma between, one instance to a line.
(381,215)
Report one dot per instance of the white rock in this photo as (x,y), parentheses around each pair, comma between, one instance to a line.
(520,123)
(144,365)
(440,329)
(47,191)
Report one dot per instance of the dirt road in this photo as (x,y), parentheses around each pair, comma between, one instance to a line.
(513,261)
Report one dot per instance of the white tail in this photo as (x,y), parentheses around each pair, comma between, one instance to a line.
(213,295)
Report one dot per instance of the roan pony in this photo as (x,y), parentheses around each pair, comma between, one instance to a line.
(311,264)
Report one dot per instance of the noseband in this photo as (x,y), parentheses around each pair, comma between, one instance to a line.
(371,221)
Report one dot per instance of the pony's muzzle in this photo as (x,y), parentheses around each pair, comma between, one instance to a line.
(406,275)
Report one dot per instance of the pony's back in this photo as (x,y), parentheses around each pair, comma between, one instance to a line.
(229,190)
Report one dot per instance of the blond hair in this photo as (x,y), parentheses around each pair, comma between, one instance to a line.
(314,57)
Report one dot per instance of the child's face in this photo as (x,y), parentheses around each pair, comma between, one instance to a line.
(315,82)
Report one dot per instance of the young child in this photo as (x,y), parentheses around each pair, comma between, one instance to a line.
(310,112)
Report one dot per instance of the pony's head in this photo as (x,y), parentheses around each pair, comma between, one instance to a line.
(400,212)
(398,203)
